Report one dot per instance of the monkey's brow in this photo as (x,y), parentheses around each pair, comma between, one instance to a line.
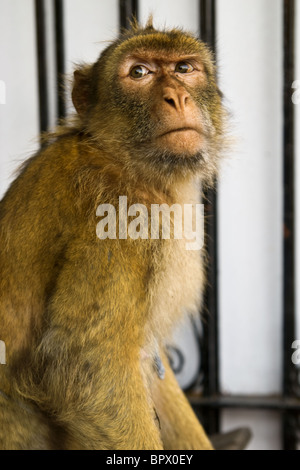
(166,57)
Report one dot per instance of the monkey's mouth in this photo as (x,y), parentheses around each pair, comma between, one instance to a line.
(179,129)
(185,141)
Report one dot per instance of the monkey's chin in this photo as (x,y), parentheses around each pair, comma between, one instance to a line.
(184,142)
(168,164)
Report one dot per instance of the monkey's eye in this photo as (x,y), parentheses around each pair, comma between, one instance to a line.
(184,67)
(139,71)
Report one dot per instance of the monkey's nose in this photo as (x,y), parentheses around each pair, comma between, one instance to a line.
(176,98)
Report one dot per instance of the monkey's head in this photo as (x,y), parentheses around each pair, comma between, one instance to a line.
(151,100)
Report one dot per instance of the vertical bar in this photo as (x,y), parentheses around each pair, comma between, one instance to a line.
(210,324)
(42,64)
(60,57)
(289,371)
(128,10)
(208,22)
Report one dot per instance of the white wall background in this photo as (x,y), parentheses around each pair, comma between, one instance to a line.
(249,50)
(18,69)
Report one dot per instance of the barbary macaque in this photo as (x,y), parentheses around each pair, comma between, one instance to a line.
(86,318)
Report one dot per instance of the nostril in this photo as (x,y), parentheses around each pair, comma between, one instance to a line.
(171,102)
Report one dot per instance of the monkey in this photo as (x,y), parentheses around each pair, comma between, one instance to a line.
(86,319)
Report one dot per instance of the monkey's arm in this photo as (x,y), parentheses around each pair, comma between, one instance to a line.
(86,370)
(180,428)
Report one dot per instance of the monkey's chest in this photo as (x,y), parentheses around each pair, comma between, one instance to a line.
(175,288)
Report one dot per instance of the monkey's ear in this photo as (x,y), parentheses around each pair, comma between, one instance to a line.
(81,89)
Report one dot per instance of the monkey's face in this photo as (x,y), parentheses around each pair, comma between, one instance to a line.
(162,85)
(157,98)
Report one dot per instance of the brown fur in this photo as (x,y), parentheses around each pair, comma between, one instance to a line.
(83,319)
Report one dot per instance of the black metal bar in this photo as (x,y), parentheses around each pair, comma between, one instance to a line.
(60,58)
(208,22)
(289,371)
(209,350)
(276,403)
(128,11)
(42,64)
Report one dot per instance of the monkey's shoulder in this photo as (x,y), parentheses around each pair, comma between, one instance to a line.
(55,182)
